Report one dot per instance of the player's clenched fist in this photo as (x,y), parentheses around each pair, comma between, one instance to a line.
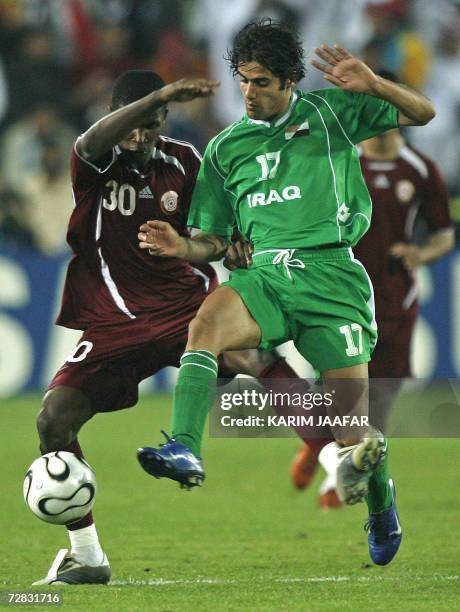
(161,239)
(188,89)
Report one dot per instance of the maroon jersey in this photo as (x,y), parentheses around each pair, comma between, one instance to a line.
(400,190)
(110,279)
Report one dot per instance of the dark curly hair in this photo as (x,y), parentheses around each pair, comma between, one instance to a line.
(272,45)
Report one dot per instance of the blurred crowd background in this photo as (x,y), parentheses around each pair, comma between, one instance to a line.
(59,58)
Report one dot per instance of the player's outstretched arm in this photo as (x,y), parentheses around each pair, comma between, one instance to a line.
(351,74)
(162,240)
(113,128)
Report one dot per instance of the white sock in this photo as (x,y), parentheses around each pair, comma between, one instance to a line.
(328,458)
(329,483)
(85,546)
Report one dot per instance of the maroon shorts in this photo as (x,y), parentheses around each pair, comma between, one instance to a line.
(111,360)
(391,356)
(112,383)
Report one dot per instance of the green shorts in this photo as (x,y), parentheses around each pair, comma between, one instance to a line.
(322,299)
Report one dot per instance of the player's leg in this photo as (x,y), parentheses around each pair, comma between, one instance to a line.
(338,341)
(363,468)
(240,314)
(90,381)
(348,385)
(333,307)
(350,389)
(350,401)
(64,411)
(222,323)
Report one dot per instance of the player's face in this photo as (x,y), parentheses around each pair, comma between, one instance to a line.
(262,95)
(139,144)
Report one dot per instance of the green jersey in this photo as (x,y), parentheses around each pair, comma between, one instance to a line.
(295,182)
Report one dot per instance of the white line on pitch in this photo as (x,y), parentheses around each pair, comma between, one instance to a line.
(223,582)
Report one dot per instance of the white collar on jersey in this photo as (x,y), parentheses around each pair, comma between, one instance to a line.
(282,119)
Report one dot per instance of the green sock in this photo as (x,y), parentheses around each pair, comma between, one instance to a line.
(192,398)
(379,497)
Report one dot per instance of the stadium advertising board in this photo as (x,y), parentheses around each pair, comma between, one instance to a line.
(32,347)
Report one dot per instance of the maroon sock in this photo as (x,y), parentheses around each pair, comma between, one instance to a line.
(86,521)
(280,369)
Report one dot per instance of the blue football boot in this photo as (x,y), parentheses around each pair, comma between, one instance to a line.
(172,460)
(385,532)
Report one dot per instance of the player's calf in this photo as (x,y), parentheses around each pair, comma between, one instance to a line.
(63,412)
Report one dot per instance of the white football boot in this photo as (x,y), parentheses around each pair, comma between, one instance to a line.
(356,466)
(65,569)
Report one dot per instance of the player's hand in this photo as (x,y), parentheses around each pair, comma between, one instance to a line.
(238,255)
(188,89)
(344,70)
(161,239)
(409,254)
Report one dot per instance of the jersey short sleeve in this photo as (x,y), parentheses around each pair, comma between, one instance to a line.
(86,174)
(434,206)
(361,116)
(210,209)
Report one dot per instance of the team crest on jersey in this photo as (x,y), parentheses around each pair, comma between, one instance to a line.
(404,191)
(169,202)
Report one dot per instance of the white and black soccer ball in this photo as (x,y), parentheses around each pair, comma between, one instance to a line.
(60,488)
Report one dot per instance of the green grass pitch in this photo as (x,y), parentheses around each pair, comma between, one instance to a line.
(246,540)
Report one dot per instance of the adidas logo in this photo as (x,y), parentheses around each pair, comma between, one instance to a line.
(146,193)
(381,182)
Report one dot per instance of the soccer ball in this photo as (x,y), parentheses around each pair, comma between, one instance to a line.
(60,488)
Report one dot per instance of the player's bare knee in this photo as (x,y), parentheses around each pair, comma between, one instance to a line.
(204,329)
